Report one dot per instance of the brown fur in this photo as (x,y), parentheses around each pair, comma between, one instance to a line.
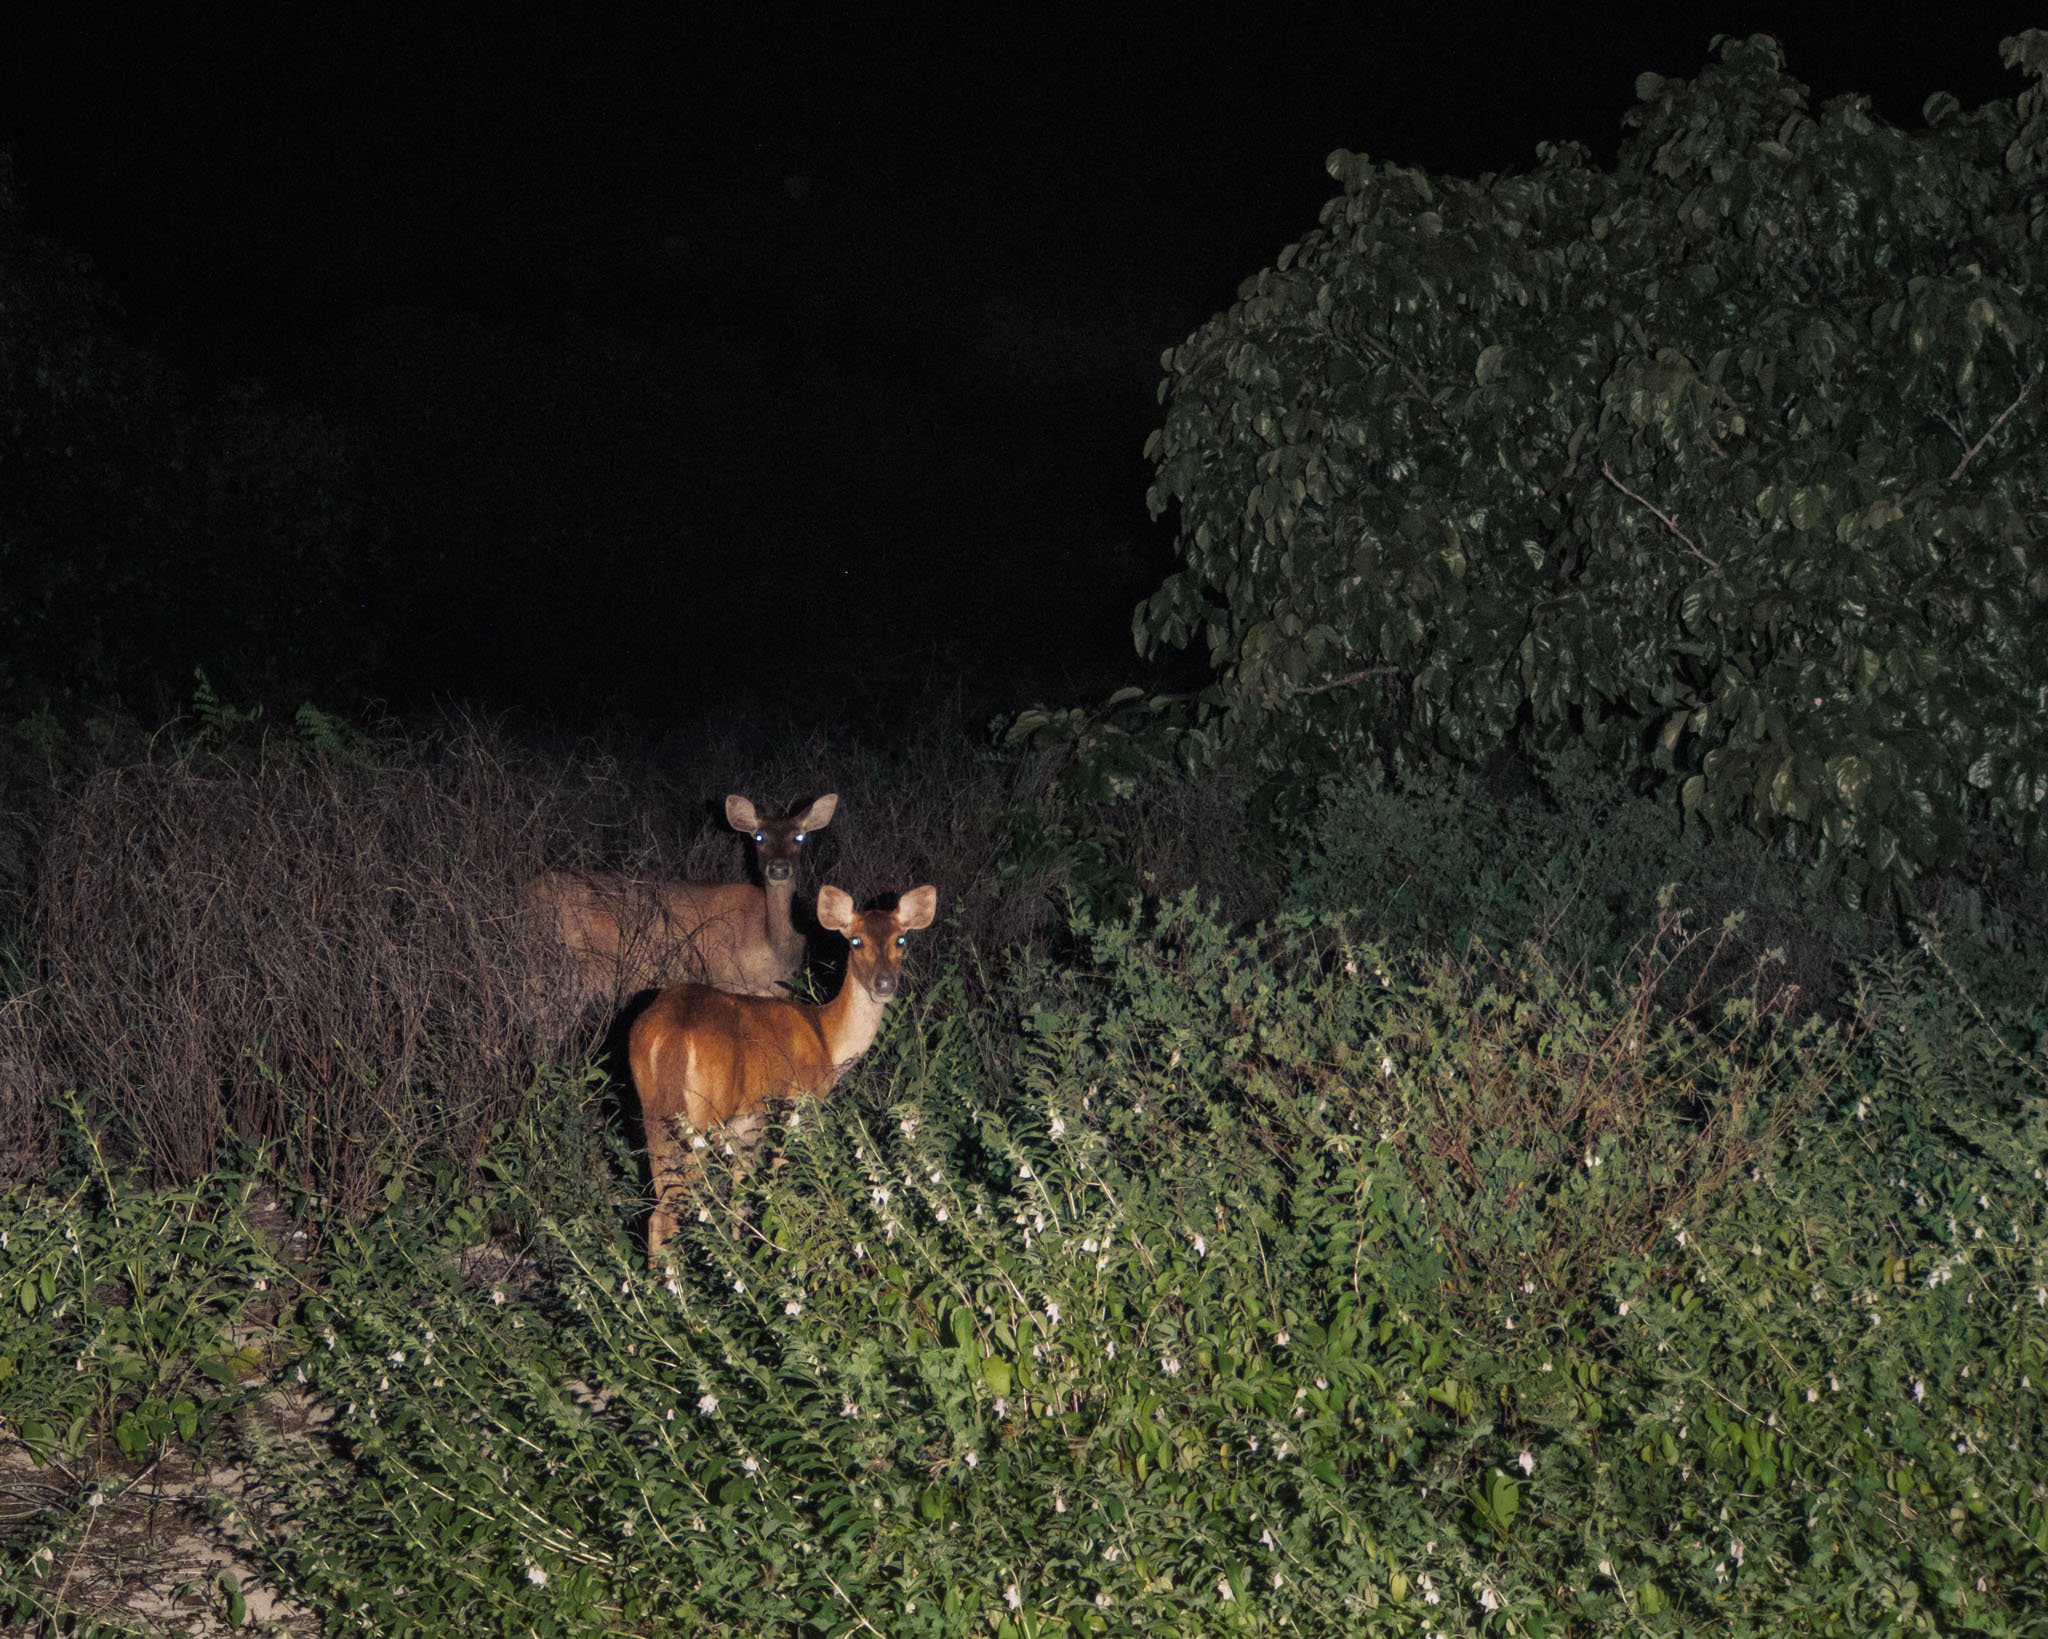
(703,1057)
(627,936)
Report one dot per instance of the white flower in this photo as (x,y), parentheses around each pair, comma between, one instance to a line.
(879,1195)
(1736,1550)
(1201,1247)
(1058,1129)
(1052,1312)
(738,1285)
(1280,1337)
(1431,1594)
(751,1465)
(537,1576)
(1059,1502)
(1223,1589)
(1607,1567)
(1812,1394)
(1489,1601)
(1623,1306)
(1101,1601)
(1528,1463)
(848,1409)
(942,1215)
(97,1500)
(1024,1169)
(1387,1064)
(1013,1597)
(973,1459)
(793,1307)
(860,1249)
(708,1405)
(1919,1390)
(1170,1364)
(396,1357)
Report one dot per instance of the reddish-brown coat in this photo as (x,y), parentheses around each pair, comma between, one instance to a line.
(703,1057)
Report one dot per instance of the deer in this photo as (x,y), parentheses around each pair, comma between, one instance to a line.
(626,936)
(702,1057)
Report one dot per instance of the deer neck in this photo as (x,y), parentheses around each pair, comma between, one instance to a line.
(850,1021)
(783,937)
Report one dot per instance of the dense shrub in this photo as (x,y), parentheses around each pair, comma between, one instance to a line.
(318,950)
(1727,463)
(1196,1280)
(317,938)
(1239,1289)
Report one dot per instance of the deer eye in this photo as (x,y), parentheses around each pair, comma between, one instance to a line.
(760,836)
(902,940)
(856,941)
(801,835)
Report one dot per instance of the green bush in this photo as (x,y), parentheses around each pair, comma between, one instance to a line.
(1250,1282)
(1727,462)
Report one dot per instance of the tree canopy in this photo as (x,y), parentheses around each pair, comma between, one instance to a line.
(1728,461)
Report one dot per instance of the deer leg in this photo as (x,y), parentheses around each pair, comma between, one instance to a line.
(672,1169)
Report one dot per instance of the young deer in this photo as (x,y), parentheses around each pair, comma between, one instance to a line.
(702,1057)
(627,936)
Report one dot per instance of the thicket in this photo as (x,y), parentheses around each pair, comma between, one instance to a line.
(1199,1282)
(312,944)
(1727,463)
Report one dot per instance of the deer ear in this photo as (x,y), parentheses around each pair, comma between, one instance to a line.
(819,814)
(740,815)
(835,908)
(917,908)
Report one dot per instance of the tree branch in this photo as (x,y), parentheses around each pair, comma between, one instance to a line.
(1351,677)
(1657,512)
(1970,454)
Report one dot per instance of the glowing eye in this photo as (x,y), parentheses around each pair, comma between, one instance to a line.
(760,836)
(902,939)
(801,835)
(856,941)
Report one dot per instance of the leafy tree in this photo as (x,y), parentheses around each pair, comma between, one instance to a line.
(1729,461)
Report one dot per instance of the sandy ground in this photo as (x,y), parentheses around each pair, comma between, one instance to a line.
(155,1538)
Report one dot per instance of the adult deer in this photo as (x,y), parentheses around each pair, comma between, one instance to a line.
(626,936)
(702,1057)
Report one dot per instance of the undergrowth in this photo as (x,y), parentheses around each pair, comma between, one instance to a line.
(1202,1283)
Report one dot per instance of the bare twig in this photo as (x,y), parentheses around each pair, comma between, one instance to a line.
(1970,454)
(1351,677)
(1657,512)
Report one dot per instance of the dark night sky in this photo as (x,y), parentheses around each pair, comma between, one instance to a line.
(750,349)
